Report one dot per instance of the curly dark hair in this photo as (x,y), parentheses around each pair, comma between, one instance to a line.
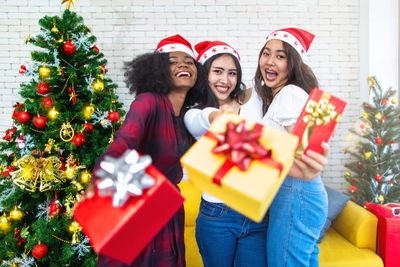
(150,72)
(299,74)
(240,88)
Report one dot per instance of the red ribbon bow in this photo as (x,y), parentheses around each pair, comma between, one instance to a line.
(241,144)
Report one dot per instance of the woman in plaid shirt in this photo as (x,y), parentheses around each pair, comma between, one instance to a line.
(166,83)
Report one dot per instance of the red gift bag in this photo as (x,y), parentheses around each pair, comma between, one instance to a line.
(388,240)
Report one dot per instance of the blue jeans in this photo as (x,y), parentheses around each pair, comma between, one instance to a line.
(296,217)
(226,238)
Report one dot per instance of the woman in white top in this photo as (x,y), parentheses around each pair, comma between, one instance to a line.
(225,237)
(299,210)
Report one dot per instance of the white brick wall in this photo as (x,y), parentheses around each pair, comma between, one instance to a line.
(126,28)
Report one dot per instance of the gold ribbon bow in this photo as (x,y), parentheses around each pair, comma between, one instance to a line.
(33,173)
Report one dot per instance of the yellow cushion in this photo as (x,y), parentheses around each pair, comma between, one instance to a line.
(192,204)
(336,251)
(357,225)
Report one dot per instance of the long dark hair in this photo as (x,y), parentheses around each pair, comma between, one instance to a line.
(239,90)
(299,74)
(150,72)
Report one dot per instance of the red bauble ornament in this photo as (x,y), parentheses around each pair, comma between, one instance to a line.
(69,48)
(359,165)
(43,88)
(88,127)
(385,100)
(378,140)
(40,122)
(78,139)
(352,188)
(47,102)
(24,117)
(39,251)
(113,116)
(55,208)
(378,177)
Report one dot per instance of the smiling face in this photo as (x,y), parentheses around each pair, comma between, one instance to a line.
(183,70)
(222,77)
(273,64)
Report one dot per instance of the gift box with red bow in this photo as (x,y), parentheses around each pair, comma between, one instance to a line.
(241,162)
(142,201)
(388,239)
(317,121)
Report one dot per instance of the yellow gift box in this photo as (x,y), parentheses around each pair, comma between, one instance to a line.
(249,192)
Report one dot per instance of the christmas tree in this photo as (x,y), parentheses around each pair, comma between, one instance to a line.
(373,172)
(65,122)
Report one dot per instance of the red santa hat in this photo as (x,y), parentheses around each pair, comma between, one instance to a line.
(175,43)
(299,39)
(208,49)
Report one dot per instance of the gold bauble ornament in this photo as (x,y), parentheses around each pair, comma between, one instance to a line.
(381,198)
(55,30)
(61,40)
(44,71)
(74,227)
(53,114)
(78,186)
(85,177)
(98,85)
(365,115)
(368,154)
(378,116)
(394,101)
(88,111)
(16,214)
(4,223)
(350,137)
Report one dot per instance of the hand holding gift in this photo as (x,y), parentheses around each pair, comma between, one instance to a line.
(132,203)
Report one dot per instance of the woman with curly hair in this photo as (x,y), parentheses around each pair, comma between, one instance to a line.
(166,83)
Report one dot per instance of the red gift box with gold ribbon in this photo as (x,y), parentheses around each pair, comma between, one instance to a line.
(388,239)
(122,232)
(317,121)
(241,162)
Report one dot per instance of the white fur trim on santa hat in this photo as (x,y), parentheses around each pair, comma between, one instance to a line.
(290,39)
(218,49)
(175,48)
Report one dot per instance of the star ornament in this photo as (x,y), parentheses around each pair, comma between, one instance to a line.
(124,176)
(69,3)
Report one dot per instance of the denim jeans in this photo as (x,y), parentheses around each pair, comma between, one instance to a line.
(296,217)
(226,238)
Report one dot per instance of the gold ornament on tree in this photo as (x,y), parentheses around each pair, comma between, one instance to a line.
(378,116)
(72,167)
(67,132)
(368,154)
(381,199)
(88,111)
(49,146)
(53,113)
(16,214)
(371,83)
(74,227)
(44,71)
(85,177)
(54,29)
(69,3)
(37,173)
(4,223)
(98,85)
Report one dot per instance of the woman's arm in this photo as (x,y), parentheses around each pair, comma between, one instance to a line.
(197,121)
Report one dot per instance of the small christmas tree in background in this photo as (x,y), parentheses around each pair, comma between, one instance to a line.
(66,121)
(374,173)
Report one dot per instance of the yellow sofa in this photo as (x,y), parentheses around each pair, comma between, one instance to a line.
(351,240)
